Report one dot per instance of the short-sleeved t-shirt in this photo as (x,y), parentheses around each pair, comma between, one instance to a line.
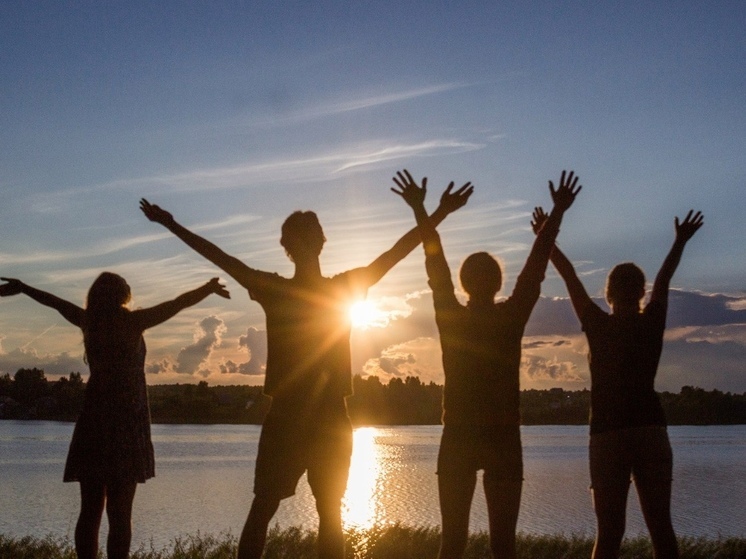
(481,349)
(308,335)
(623,357)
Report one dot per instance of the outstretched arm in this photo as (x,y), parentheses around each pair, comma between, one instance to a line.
(72,313)
(147,318)
(684,231)
(231,265)
(449,202)
(578,295)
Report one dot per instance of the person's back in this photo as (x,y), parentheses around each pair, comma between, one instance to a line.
(481,359)
(624,351)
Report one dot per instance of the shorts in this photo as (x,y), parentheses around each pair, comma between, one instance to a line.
(641,453)
(496,449)
(288,447)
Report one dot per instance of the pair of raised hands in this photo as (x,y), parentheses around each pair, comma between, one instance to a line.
(414,195)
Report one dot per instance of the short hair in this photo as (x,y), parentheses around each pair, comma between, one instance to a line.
(302,229)
(625,282)
(481,273)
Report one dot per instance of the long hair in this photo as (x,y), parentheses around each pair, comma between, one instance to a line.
(110,292)
(106,301)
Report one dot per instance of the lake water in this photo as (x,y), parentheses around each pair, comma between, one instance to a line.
(205,475)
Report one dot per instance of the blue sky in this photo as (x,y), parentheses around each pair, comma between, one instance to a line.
(233,114)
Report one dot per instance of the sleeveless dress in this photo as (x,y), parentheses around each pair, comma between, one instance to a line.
(111,442)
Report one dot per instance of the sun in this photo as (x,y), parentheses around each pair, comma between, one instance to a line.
(366,314)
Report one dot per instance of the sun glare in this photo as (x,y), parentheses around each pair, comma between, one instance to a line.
(366,314)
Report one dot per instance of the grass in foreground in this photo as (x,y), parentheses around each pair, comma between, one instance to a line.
(384,542)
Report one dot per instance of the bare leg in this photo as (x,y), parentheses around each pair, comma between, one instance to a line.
(655,501)
(455,494)
(331,543)
(119,498)
(610,504)
(254,534)
(92,500)
(503,504)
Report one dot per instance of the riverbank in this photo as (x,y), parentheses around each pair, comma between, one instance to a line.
(391,542)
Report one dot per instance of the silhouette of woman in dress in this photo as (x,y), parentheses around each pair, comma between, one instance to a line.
(111,450)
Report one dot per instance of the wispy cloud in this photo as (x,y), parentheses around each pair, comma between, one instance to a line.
(368,102)
(113,245)
(285,170)
(424,149)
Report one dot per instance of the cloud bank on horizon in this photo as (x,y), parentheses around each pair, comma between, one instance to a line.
(705,346)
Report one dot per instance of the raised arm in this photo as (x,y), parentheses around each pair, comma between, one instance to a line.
(147,318)
(563,197)
(70,312)
(449,202)
(438,272)
(578,295)
(231,265)
(684,231)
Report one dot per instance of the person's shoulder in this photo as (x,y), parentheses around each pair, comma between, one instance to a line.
(266,283)
(655,310)
(592,314)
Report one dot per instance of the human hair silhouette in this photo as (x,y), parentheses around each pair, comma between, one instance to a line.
(481,345)
(625,283)
(301,231)
(111,449)
(109,291)
(628,425)
(480,276)
(308,372)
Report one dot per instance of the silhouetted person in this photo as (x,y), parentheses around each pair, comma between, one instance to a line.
(628,426)
(308,373)
(111,451)
(481,345)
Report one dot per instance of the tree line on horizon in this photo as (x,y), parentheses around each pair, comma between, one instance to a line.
(28,394)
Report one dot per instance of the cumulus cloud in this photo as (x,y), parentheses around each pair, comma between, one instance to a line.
(537,368)
(255,341)
(191,358)
(420,357)
(156,367)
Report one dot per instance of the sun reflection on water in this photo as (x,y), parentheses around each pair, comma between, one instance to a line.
(361,507)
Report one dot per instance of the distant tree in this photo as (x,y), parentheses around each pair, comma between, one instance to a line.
(69,393)
(6,385)
(29,385)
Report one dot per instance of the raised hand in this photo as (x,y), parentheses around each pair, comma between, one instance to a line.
(539,217)
(687,228)
(13,287)
(452,201)
(218,289)
(156,213)
(413,194)
(564,195)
